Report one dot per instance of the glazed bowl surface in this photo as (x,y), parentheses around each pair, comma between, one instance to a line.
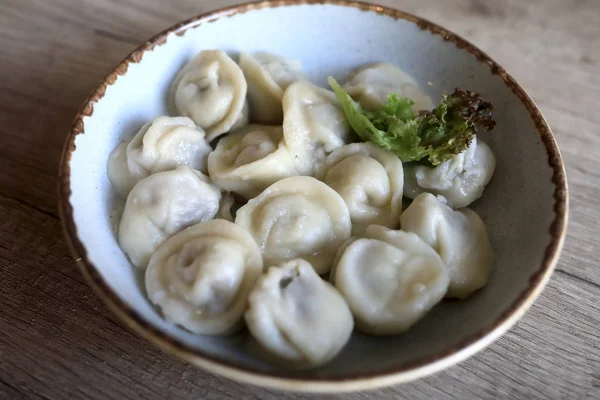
(524,207)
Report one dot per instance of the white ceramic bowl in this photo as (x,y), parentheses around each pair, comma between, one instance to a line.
(524,207)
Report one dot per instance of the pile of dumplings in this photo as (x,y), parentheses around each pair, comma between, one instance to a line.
(285,225)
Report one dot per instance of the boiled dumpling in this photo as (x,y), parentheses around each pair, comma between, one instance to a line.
(211,90)
(313,125)
(297,217)
(160,145)
(390,279)
(458,236)
(201,277)
(298,316)
(160,206)
(268,76)
(338,255)
(370,180)
(371,85)
(248,161)
(460,180)
(226,209)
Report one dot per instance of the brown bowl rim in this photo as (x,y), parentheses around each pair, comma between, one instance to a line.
(322,383)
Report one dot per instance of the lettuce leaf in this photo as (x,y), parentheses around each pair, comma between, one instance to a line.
(431,136)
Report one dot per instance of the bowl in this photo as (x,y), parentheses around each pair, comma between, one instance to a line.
(524,207)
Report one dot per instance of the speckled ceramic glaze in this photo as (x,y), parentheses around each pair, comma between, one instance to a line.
(524,207)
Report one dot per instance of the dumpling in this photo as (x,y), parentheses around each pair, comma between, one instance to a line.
(297,217)
(313,125)
(268,76)
(460,180)
(201,277)
(226,208)
(211,90)
(160,145)
(458,236)
(371,85)
(390,279)
(338,256)
(248,161)
(160,206)
(297,316)
(370,180)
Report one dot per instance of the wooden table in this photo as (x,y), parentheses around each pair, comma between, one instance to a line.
(58,341)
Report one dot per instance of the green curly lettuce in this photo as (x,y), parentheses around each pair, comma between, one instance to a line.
(431,136)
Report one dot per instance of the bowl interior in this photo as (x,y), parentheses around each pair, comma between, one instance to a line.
(517,206)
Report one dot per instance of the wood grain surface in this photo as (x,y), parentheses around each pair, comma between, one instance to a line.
(58,341)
